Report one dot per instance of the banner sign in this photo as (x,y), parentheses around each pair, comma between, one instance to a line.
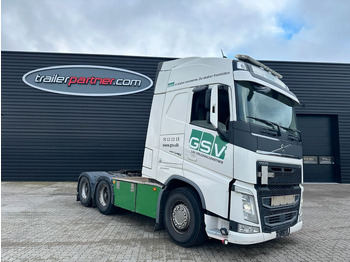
(87,80)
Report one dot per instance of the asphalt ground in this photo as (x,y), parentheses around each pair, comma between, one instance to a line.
(43,222)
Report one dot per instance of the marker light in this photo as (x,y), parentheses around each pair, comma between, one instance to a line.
(241,65)
(247,229)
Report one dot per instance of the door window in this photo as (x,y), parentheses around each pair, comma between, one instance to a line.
(200,114)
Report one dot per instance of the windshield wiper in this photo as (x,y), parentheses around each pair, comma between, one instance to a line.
(295,134)
(267,122)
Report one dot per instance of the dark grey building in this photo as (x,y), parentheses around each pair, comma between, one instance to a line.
(54,137)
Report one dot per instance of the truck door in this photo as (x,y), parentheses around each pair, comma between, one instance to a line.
(208,159)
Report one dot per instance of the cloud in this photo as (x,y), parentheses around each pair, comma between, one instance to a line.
(265,29)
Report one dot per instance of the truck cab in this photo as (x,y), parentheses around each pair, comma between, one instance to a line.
(227,129)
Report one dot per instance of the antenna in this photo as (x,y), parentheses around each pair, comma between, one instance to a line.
(223,56)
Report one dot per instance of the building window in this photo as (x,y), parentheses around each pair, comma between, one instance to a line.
(326,160)
(310,159)
(321,160)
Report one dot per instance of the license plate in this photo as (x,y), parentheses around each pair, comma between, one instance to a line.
(282,233)
(282,200)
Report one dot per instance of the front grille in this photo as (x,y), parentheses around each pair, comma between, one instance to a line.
(280,219)
(275,218)
(280,174)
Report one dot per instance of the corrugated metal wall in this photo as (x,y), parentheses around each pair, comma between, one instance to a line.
(47,136)
(323,89)
(53,137)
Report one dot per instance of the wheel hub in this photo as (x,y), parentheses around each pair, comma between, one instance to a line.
(85,190)
(103,196)
(181,217)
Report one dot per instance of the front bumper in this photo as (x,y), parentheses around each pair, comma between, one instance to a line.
(248,239)
(273,220)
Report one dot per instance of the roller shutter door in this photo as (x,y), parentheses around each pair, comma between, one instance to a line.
(319,137)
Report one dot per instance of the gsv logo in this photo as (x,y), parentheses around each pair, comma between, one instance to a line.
(208,144)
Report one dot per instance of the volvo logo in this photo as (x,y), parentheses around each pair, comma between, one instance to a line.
(282,148)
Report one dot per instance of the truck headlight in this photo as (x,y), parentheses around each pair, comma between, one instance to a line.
(249,210)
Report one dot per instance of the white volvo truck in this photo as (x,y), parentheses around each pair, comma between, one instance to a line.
(223,156)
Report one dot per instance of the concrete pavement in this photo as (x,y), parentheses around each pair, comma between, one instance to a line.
(41,221)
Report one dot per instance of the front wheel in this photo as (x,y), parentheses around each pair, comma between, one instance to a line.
(103,198)
(183,218)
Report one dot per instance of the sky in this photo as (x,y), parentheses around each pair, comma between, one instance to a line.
(282,30)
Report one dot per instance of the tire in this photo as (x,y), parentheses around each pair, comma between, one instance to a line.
(103,196)
(184,219)
(85,192)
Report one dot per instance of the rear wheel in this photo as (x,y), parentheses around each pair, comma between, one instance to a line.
(103,196)
(85,192)
(183,218)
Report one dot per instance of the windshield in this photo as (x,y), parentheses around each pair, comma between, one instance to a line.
(256,103)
